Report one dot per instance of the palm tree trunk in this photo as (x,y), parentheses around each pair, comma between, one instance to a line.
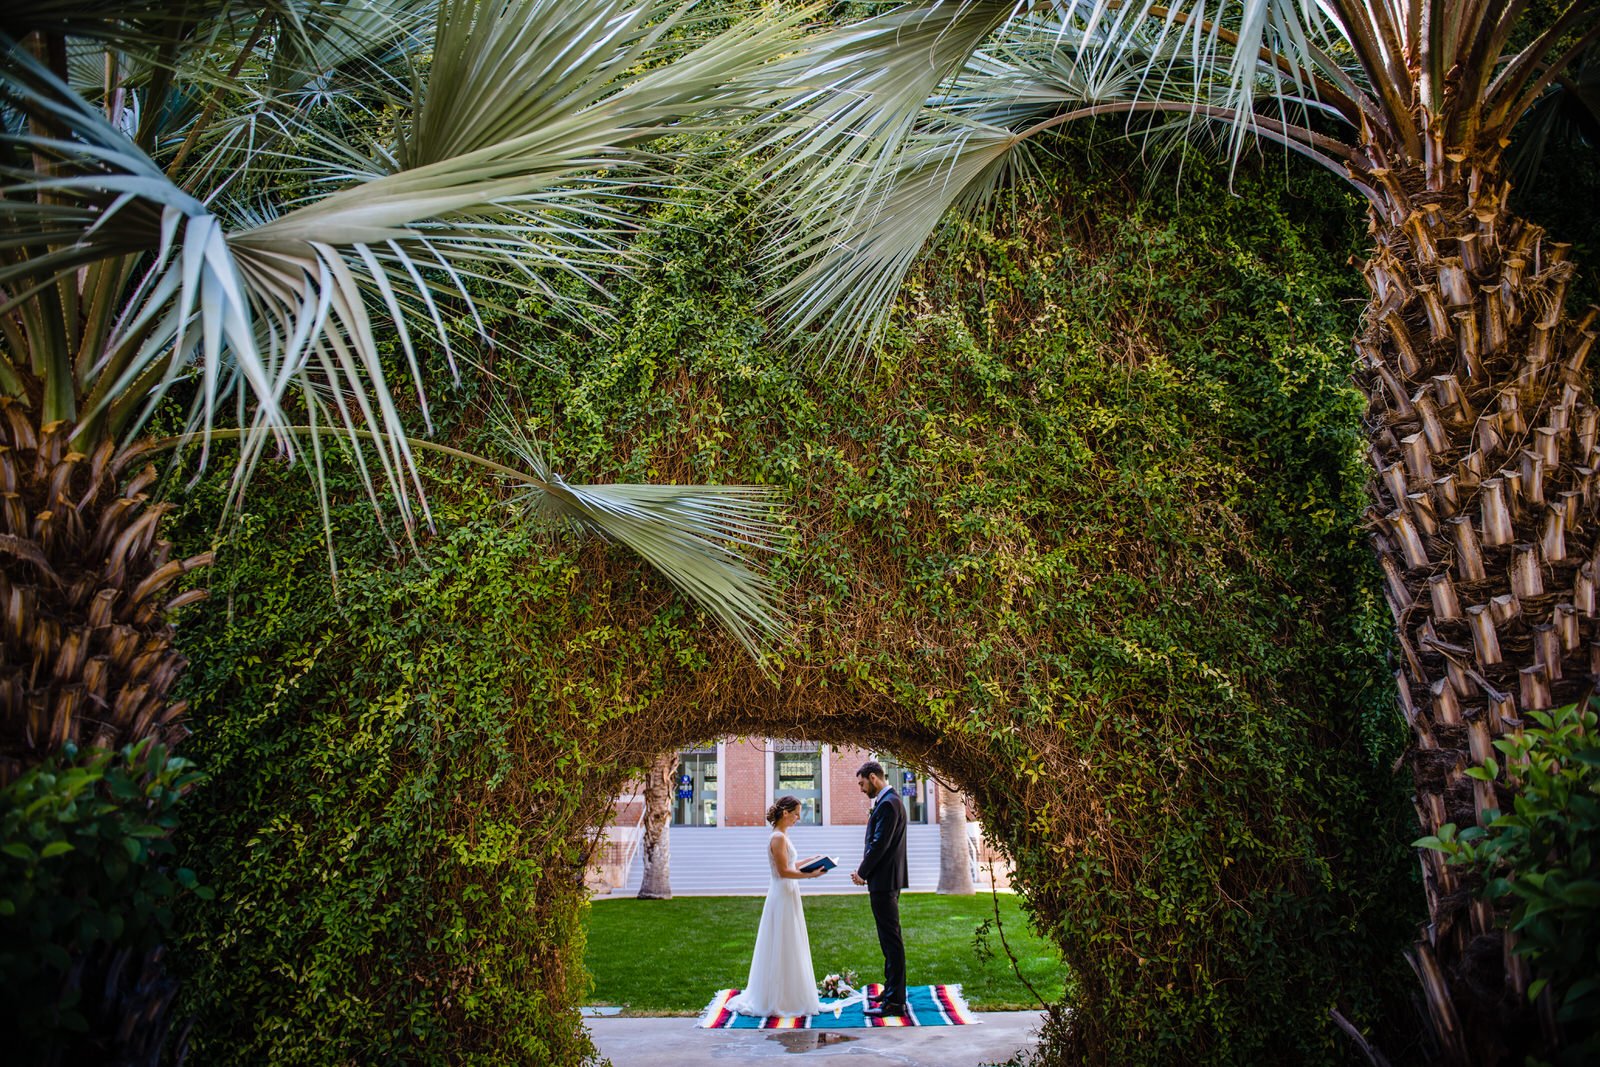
(88,655)
(657,881)
(87,658)
(955,856)
(1483,436)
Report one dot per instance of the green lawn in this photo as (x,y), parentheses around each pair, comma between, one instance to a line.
(670,956)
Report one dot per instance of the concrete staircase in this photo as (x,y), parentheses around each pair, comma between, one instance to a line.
(732,860)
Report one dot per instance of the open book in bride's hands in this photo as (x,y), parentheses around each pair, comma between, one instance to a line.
(819,863)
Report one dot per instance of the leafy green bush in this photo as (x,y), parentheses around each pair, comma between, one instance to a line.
(85,871)
(1084,537)
(1541,862)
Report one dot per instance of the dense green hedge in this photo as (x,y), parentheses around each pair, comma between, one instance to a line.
(1084,536)
(86,898)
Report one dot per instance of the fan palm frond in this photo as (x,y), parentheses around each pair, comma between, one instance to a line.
(856,229)
(519,151)
(853,94)
(527,113)
(696,536)
(853,260)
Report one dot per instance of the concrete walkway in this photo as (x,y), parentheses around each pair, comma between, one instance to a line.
(676,1042)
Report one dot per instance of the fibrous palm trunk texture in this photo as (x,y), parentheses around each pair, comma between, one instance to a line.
(85,581)
(955,854)
(656,881)
(87,658)
(1483,432)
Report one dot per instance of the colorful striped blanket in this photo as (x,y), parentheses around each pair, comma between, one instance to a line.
(926,1005)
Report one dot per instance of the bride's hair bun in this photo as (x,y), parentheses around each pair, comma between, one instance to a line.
(779,806)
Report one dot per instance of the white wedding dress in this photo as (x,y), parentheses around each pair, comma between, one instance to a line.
(781,981)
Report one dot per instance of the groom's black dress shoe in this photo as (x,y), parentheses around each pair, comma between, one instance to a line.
(879,1010)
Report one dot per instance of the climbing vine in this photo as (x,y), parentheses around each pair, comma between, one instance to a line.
(1083,536)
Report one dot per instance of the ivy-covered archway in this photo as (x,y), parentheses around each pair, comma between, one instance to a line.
(1084,538)
(1188,886)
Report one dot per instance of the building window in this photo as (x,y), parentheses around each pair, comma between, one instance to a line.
(909,784)
(797,772)
(695,788)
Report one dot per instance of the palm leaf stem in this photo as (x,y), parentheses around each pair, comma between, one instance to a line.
(115,406)
(165,444)
(1508,112)
(1485,48)
(214,98)
(1388,37)
(1504,26)
(1392,88)
(106,281)
(1345,97)
(110,398)
(680,530)
(1432,41)
(46,326)
(10,380)
(1307,142)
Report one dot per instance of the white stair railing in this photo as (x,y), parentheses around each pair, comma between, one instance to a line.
(614,859)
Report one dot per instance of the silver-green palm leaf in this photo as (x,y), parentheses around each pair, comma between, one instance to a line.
(255,204)
(856,215)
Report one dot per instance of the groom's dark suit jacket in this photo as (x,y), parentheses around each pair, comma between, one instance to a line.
(884,865)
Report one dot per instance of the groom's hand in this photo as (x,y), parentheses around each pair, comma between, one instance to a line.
(857,879)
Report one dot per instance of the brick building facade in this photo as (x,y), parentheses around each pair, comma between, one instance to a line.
(732,783)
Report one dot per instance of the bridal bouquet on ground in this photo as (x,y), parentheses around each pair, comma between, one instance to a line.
(838,986)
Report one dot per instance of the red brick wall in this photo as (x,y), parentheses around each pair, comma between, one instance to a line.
(628,812)
(628,805)
(847,804)
(742,793)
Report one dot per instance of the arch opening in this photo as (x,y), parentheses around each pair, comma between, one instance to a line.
(724,781)
(984,944)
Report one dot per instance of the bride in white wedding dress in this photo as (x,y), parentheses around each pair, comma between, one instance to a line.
(781,981)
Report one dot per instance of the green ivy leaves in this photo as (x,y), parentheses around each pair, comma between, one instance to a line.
(85,867)
(1099,499)
(1541,860)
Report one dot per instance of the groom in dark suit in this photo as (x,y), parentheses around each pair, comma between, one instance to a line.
(883,871)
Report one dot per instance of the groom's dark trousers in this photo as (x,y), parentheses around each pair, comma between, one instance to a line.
(885,871)
(886,913)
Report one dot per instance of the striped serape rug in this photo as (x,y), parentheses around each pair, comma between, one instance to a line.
(926,1005)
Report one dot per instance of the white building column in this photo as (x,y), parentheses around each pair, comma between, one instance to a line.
(722,784)
(771,772)
(825,761)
